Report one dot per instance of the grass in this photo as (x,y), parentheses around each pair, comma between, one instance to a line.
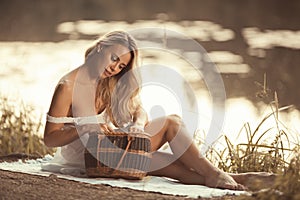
(286,185)
(272,149)
(265,150)
(20,128)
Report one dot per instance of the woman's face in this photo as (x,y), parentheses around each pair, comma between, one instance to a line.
(117,58)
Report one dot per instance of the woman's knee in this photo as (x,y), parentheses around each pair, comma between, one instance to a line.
(174,120)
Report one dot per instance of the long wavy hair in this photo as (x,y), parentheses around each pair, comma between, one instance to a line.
(119,94)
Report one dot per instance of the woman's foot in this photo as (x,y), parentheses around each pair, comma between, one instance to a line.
(222,180)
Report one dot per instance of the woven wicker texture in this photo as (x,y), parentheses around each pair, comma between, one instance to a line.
(118,155)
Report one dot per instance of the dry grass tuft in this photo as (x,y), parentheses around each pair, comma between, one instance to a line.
(264,151)
(267,149)
(19,129)
(286,186)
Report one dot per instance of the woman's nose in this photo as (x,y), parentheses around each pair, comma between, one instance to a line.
(113,66)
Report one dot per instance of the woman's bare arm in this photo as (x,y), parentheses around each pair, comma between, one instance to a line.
(58,134)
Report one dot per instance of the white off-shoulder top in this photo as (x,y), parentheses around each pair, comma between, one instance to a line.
(78,120)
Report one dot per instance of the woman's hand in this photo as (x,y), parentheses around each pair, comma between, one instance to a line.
(140,118)
(105,128)
(136,128)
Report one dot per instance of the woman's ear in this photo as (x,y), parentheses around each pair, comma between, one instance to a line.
(99,48)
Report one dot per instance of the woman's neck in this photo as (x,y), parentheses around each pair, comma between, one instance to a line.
(87,75)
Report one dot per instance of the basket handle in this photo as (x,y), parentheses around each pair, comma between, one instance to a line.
(100,137)
(129,138)
(125,152)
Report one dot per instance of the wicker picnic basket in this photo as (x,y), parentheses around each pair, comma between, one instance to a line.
(118,155)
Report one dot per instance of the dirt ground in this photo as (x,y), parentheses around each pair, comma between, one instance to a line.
(15,185)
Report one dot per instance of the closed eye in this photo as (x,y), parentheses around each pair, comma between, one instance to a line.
(115,58)
(122,66)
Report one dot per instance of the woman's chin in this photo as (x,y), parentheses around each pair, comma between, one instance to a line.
(103,76)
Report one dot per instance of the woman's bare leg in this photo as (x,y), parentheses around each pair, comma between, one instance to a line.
(171,127)
(175,170)
(178,171)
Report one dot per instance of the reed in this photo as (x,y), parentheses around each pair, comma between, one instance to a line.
(20,128)
(267,149)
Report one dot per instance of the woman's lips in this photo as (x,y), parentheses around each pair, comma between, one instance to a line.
(107,72)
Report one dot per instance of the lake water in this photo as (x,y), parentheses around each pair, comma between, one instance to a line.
(31,70)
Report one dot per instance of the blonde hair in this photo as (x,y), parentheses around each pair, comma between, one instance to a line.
(119,93)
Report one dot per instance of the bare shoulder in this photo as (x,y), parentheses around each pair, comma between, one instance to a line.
(62,97)
(66,83)
(69,78)
(61,100)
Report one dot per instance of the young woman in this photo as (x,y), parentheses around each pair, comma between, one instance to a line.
(106,88)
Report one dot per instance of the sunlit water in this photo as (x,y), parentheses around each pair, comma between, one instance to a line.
(31,71)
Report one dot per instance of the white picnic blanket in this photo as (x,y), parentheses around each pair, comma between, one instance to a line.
(151,183)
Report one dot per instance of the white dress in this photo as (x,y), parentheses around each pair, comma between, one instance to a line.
(69,159)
